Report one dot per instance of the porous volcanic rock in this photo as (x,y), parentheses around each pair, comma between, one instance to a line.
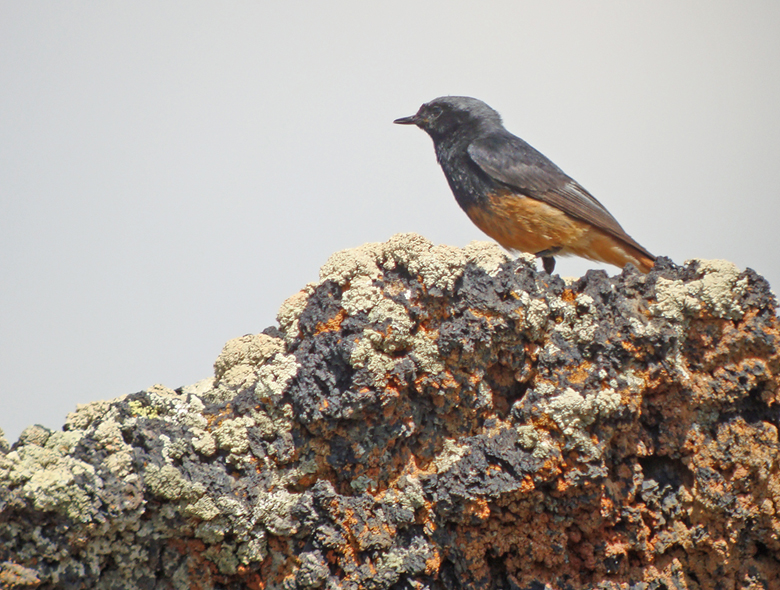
(432,417)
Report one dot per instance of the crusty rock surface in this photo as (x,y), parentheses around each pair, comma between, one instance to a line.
(432,417)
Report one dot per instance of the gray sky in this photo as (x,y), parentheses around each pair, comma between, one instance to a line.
(171,172)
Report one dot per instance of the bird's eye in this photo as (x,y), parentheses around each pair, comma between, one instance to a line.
(434,111)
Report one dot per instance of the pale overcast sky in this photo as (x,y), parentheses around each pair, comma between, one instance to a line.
(170,172)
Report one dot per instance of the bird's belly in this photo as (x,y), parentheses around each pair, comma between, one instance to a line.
(525,224)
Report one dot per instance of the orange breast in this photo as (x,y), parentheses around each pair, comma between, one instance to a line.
(529,225)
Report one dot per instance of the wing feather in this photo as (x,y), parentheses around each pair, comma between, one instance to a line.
(511,161)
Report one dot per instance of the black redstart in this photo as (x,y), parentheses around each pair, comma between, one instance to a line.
(515,194)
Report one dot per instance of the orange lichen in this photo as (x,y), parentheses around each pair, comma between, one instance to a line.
(332,325)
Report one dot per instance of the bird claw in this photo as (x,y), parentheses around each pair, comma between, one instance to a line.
(548,262)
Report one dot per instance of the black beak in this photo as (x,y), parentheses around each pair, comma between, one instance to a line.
(413,120)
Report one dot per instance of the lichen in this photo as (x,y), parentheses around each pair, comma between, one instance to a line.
(486,255)
(574,413)
(169,483)
(718,289)
(345,265)
(273,377)
(432,416)
(232,435)
(274,512)
(204,508)
(362,295)
(290,311)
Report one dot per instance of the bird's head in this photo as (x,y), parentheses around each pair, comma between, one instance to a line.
(448,116)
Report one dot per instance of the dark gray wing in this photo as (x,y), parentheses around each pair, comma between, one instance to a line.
(511,161)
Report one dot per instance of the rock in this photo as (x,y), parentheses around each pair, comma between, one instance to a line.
(432,417)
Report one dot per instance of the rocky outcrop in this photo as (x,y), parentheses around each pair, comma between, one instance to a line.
(432,417)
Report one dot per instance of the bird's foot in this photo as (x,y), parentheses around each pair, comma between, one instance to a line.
(548,261)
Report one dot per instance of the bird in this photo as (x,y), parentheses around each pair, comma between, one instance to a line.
(515,194)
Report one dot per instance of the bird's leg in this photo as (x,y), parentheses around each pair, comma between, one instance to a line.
(548,262)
